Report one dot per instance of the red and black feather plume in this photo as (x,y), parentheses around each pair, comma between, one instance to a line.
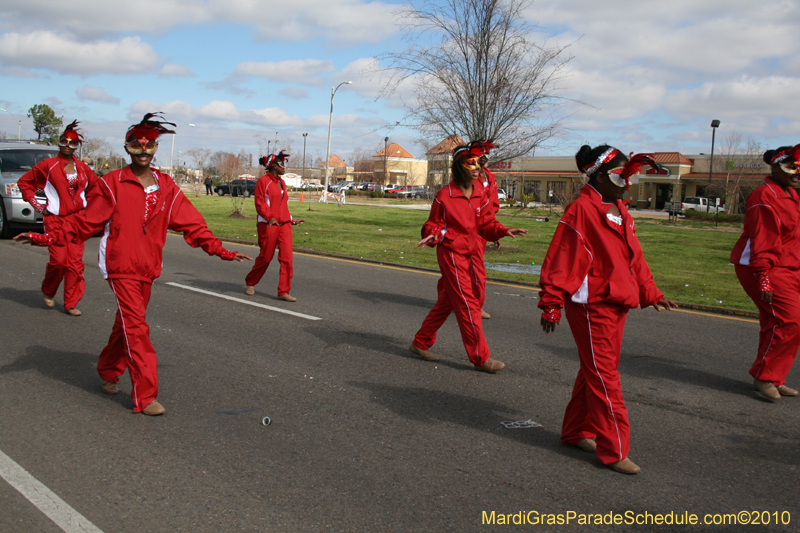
(151,128)
(71,132)
(636,163)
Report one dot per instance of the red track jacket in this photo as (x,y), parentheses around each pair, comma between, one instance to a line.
(490,184)
(456,221)
(271,199)
(130,248)
(49,175)
(771,236)
(590,261)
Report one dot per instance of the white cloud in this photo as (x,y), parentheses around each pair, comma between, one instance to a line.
(302,71)
(173,70)
(341,21)
(295,93)
(47,50)
(96,94)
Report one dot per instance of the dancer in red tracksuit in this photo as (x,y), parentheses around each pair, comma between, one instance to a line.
(455,226)
(595,269)
(135,207)
(767,259)
(65,181)
(274,226)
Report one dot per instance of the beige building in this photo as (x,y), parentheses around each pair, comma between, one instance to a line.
(678,176)
(440,158)
(402,167)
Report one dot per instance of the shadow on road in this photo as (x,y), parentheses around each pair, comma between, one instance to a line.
(651,367)
(31,299)
(76,369)
(392,298)
(437,407)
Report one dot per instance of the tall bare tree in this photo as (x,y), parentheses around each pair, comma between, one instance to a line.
(739,160)
(476,71)
(200,158)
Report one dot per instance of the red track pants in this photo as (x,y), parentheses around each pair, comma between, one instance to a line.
(268,238)
(779,338)
(480,269)
(129,345)
(459,291)
(597,408)
(66,263)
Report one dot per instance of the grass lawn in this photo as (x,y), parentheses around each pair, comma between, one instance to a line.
(689,259)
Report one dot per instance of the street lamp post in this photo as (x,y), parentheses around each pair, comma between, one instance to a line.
(19,130)
(714,126)
(305,136)
(172,151)
(328,153)
(385,160)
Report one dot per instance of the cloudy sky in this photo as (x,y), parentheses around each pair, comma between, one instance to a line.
(654,73)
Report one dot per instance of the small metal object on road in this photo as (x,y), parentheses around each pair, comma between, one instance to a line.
(266,421)
(521,424)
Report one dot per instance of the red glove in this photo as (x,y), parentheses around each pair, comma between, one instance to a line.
(762,279)
(227,255)
(37,239)
(552,314)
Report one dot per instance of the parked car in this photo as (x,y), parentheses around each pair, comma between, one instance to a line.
(697,203)
(312,186)
(389,186)
(372,187)
(396,189)
(501,195)
(415,191)
(16,159)
(237,187)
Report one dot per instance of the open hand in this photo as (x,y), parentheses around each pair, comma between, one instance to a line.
(430,239)
(513,232)
(23,238)
(240,257)
(548,326)
(666,304)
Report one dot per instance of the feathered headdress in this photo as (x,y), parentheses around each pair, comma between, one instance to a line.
(273,159)
(782,154)
(71,132)
(482,144)
(634,165)
(151,128)
(467,151)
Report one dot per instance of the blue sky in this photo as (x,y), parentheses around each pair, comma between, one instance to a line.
(654,73)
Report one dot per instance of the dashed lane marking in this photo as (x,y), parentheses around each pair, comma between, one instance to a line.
(241,301)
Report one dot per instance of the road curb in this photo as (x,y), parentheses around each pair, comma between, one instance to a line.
(711,309)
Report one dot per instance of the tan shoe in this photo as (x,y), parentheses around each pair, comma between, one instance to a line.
(73,312)
(110,388)
(786,391)
(588,445)
(250,291)
(425,354)
(626,466)
(287,298)
(491,366)
(49,302)
(767,390)
(485,315)
(154,409)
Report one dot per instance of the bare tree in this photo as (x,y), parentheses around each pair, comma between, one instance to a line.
(485,77)
(199,157)
(738,159)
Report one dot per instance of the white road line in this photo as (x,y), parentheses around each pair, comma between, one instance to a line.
(254,304)
(44,499)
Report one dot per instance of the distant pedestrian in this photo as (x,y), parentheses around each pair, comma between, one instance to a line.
(134,207)
(274,226)
(66,181)
(595,270)
(208,182)
(458,225)
(767,259)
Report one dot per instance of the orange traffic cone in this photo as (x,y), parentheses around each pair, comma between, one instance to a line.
(301,197)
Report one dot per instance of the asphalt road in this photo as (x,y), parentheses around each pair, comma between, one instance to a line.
(364,435)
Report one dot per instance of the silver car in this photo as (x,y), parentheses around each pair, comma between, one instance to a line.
(16,158)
